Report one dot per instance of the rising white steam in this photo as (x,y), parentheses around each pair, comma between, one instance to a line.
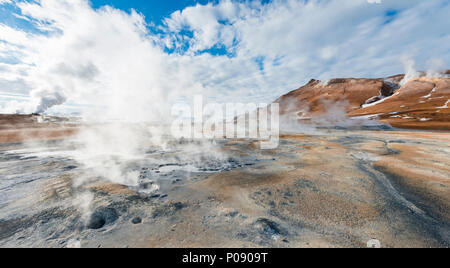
(82,52)
(411,72)
(115,69)
(104,60)
(436,68)
(48,100)
(107,62)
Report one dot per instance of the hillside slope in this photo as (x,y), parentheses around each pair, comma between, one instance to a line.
(421,103)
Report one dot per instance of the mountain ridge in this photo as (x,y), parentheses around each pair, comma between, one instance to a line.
(418,103)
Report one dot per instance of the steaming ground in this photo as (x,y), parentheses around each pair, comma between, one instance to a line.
(330,188)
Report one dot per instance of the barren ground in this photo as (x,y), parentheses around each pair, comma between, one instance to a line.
(336,188)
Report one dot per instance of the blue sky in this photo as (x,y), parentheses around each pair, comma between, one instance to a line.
(154,10)
(74,52)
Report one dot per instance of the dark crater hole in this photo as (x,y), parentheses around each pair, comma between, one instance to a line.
(102,217)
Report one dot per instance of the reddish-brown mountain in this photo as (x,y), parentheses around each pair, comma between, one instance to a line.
(421,103)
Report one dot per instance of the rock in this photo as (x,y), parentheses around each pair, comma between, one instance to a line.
(373,100)
(232,214)
(388,88)
(269,227)
(68,168)
(136,220)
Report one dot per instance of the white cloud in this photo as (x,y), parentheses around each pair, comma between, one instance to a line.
(205,22)
(108,57)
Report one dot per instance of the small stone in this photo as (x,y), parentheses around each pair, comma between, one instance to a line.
(176,181)
(136,220)
(232,214)
(68,168)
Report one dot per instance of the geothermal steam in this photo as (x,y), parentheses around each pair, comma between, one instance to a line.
(48,100)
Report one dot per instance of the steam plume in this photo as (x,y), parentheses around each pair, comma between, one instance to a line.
(48,100)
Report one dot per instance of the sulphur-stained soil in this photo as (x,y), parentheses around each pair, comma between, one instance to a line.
(333,188)
(23,128)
